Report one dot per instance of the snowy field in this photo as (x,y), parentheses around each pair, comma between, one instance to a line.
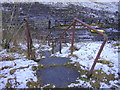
(85,56)
(18,72)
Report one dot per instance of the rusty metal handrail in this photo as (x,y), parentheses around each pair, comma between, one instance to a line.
(101,48)
(29,40)
(72,42)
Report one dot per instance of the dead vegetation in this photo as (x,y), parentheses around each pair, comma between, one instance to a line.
(7,58)
(12,83)
(97,76)
(33,84)
(5,67)
(14,70)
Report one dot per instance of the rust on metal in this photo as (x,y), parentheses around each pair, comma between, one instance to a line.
(53,47)
(97,57)
(66,30)
(29,41)
(73,38)
(61,38)
(60,47)
(88,26)
(72,42)
(101,48)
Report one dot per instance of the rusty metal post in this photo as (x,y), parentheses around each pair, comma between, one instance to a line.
(52,47)
(88,26)
(27,37)
(48,41)
(62,34)
(97,57)
(49,24)
(60,47)
(31,54)
(101,48)
(72,42)
(73,37)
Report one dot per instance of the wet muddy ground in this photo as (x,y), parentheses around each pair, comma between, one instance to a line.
(56,72)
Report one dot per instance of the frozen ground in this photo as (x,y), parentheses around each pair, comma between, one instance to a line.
(20,76)
(15,70)
(85,56)
(105,6)
(16,73)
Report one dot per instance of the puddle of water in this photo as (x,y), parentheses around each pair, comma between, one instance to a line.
(54,61)
(59,76)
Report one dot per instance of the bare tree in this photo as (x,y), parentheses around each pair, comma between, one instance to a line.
(11,23)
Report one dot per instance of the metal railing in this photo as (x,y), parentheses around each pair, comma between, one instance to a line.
(62,35)
(72,41)
(31,53)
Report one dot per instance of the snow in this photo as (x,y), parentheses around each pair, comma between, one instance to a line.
(81,83)
(45,85)
(23,46)
(20,76)
(105,5)
(83,76)
(109,5)
(101,6)
(86,55)
(22,66)
(103,85)
(42,47)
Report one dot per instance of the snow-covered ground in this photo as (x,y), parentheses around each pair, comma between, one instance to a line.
(104,6)
(16,73)
(18,78)
(85,56)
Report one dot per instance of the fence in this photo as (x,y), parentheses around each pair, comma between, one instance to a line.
(62,38)
(62,24)
(72,42)
(43,24)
